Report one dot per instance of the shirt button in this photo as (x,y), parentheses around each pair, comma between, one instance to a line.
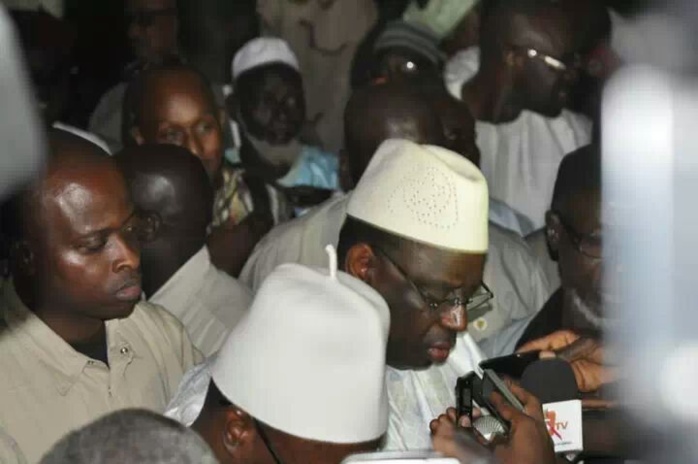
(124,350)
(480,324)
(90,363)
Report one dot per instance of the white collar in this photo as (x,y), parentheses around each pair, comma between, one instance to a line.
(178,290)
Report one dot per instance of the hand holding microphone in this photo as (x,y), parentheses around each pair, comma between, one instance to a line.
(586,356)
(527,442)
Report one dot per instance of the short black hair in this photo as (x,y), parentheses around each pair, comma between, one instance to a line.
(579,172)
(136,94)
(355,231)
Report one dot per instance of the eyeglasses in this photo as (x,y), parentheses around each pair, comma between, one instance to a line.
(553,63)
(267,443)
(141,227)
(481,296)
(146,18)
(590,245)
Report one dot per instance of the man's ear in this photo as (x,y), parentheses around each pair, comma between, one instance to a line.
(239,433)
(553,231)
(360,262)
(137,135)
(23,258)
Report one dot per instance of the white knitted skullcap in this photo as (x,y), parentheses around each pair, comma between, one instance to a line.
(262,51)
(309,357)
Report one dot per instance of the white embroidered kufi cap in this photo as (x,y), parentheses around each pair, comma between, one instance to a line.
(426,194)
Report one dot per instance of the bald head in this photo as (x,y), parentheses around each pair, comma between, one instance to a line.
(380,112)
(71,160)
(171,183)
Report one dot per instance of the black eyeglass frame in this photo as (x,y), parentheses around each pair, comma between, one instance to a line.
(578,239)
(434,305)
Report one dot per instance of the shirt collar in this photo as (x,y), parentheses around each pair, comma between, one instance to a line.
(177,291)
(63,362)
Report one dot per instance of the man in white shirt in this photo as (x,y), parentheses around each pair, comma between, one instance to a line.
(169,182)
(516,85)
(395,110)
(75,341)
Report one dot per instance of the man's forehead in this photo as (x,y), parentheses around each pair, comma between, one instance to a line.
(84,203)
(133,5)
(163,85)
(551,32)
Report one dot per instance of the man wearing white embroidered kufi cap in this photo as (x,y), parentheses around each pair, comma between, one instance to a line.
(301,378)
(268,104)
(416,231)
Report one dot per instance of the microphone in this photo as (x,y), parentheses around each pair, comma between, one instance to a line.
(550,380)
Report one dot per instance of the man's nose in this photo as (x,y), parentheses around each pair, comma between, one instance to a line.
(455,318)
(194,146)
(128,254)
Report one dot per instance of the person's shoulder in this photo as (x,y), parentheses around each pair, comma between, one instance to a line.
(231,286)
(152,317)
(317,155)
(316,216)
(507,240)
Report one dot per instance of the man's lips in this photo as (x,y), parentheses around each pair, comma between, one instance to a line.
(438,352)
(130,291)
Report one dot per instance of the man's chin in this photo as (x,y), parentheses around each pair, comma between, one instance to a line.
(120,310)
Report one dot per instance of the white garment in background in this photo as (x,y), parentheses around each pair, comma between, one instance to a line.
(105,120)
(504,216)
(415,397)
(9,451)
(54,7)
(511,271)
(90,137)
(206,300)
(539,247)
(520,158)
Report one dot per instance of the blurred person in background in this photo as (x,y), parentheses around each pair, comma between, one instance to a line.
(268,105)
(517,85)
(211,33)
(152,29)
(175,105)
(76,342)
(324,35)
(48,43)
(131,436)
(575,312)
(177,270)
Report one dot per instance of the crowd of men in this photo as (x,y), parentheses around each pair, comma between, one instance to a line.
(294,225)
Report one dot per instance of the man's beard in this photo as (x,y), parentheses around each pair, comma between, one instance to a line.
(591,312)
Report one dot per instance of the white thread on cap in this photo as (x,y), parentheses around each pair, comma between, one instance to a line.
(332,254)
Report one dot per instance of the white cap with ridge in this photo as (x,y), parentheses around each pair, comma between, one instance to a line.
(308,359)
(426,194)
(263,51)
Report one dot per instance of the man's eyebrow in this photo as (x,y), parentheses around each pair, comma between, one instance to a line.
(108,229)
